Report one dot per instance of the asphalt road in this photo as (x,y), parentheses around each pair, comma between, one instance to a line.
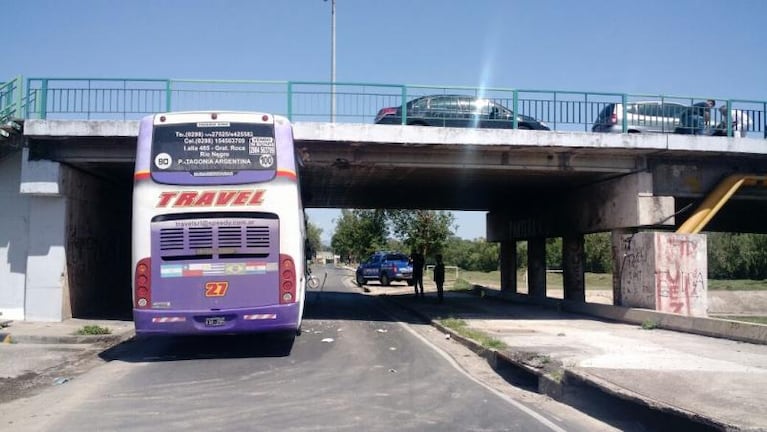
(359,365)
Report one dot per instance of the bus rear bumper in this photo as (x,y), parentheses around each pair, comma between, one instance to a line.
(229,321)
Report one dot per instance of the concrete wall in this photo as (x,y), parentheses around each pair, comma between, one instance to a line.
(45,282)
(97,239)
(14,227)
(46,261)
(666,272)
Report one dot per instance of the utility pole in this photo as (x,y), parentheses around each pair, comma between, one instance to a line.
(332,61)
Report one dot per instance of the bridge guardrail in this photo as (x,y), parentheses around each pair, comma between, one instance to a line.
(128,98)
(11,100)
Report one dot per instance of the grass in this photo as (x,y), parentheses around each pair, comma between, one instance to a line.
(650,324)
(594,281)
(461,285)
(737,285)
(748,319)
(602,281)
(93,330)
(460,327)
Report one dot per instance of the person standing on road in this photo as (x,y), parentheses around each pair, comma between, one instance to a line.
(439,277)
(418,262)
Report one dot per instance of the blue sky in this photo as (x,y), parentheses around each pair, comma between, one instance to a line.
(701,48)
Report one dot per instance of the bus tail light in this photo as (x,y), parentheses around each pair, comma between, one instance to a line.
(287,279)
(143,284)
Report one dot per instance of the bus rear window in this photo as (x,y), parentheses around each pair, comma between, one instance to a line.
(213,149)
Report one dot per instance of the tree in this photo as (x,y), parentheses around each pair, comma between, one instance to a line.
(359,233)
(737,256)
(425,231)
(472,255)
(598,254)
(313,241)
(554,253)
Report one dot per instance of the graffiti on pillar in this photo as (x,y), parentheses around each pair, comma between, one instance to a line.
(635,268)
(680,275)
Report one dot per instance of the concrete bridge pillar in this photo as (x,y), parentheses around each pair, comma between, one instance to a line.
(509,266)
(536,267)
(666,272)
(573,267)
(618,237)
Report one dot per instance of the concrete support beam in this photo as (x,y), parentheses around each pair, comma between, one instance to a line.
(536,267)
(509,266)
(573,267)
(40,177)
(625,202)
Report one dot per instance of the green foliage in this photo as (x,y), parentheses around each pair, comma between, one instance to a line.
(747,318)
(598,253)
(475,255)
(554,253)
(737,285)
(425,231)
(462,328)
(93,330)
(650,324)
(522,254)
(462,285)
(359,233)
(737,256)
(313,241)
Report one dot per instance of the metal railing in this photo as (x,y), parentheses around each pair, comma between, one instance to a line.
(11,101)
(129,99)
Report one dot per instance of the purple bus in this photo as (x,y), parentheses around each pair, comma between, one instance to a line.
(218,225)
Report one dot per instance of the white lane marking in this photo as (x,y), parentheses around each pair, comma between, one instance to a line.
(543,420)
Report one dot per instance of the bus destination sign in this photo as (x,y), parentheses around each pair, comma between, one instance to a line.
(217,148)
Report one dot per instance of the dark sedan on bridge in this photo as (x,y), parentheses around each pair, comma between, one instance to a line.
(457,111)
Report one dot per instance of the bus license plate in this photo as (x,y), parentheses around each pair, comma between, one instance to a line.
(215,321)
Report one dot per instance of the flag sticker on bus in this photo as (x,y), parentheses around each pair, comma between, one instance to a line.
(216,289)
(217,269)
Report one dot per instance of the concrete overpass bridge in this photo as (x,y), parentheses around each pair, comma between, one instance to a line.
(66,193)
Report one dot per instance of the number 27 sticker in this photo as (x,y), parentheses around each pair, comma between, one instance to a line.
(216,289)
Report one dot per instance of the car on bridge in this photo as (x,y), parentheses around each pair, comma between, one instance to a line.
(385,267)
(457,111)
(641,117)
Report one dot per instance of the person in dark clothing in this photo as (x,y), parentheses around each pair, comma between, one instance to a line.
(418,262)
(695,118)
(439,277)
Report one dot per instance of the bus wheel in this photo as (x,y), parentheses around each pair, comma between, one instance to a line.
(385,280)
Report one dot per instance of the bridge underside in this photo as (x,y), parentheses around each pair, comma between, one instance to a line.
(75,184)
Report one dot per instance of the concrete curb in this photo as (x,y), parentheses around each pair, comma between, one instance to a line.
(713,327)
(569,379)
(73,339)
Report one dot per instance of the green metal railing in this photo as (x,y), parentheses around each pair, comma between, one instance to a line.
(127,99)
(11,101)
